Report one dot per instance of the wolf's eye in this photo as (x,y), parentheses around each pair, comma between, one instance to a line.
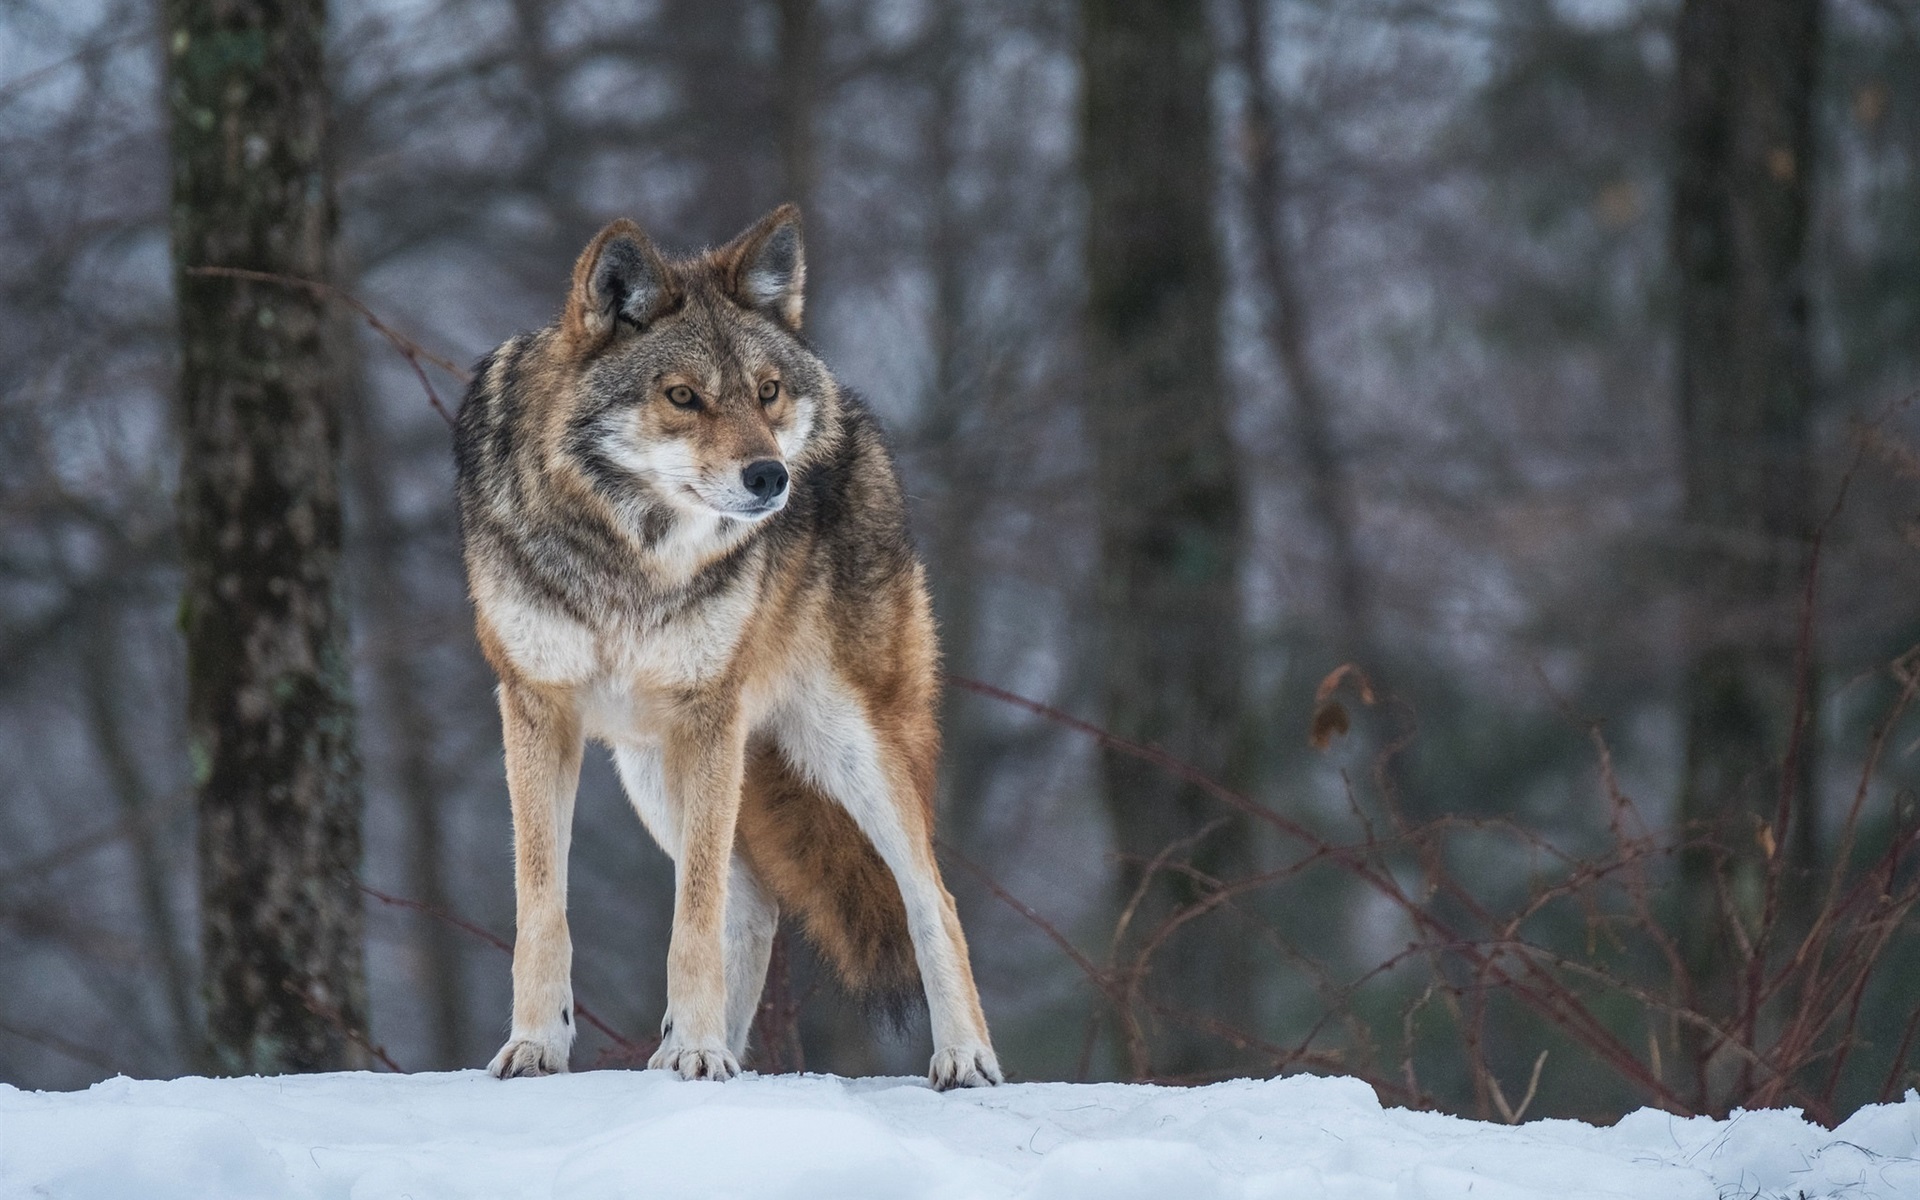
(769,391)
(683,396)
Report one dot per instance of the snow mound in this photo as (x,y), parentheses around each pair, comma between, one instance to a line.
(626,1134)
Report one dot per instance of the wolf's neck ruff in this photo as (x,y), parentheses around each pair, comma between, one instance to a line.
(685,541)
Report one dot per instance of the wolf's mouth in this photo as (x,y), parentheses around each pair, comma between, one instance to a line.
(738,512)
(758,511)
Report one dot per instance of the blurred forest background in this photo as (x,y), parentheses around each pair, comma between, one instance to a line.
(1461,413)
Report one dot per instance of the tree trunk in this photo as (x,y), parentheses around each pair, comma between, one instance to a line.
(269,701)
(799,71)
(735,99)
(952,410)
(1330,498)
(1164,479)
(1745,82)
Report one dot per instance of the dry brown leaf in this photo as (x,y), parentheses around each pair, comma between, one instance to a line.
(1332,682)
(1330,721)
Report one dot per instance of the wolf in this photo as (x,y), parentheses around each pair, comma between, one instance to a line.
(685,540)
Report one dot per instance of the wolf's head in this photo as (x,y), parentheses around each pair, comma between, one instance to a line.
(695,390)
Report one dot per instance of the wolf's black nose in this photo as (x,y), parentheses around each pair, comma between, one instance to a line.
(765,479)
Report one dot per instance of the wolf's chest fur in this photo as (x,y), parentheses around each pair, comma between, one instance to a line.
(627,651)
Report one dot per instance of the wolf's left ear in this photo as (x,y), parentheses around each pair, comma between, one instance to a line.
(619,277)
(766,267)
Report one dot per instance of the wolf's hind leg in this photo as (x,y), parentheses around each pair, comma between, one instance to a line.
(752,917)
(543,743)
(962,1054)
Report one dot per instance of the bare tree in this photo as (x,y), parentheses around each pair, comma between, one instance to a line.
(799,69)
(1744,166)
(269,693)
(1269,188)
(1164,472)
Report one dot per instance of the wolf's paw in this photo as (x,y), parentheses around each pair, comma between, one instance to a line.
(530,1056)
(705,1060)
(964,1066)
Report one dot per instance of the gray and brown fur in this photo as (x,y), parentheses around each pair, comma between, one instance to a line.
(683,539)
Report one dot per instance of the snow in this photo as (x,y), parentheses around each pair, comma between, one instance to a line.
(626,1134)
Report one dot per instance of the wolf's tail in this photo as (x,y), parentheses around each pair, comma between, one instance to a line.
(819,865)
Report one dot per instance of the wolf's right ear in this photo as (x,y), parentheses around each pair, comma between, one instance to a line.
(619,277)
(765,268)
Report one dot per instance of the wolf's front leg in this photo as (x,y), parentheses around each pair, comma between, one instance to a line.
(543,743)
(704,761)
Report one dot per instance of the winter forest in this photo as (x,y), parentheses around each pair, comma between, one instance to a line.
(1421,498)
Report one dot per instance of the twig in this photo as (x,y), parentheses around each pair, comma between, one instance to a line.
(1513,1115)
(330,1013)
(1536,987)
(1900,1057)
(55,1042)
(174,808)
(1026,910)
(409,349)
(499,943)
(19,85)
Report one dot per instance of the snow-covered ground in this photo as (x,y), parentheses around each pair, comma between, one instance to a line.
(644,1134)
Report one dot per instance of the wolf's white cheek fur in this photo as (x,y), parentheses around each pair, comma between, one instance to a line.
(794,436)
(670,469)
(666,465)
